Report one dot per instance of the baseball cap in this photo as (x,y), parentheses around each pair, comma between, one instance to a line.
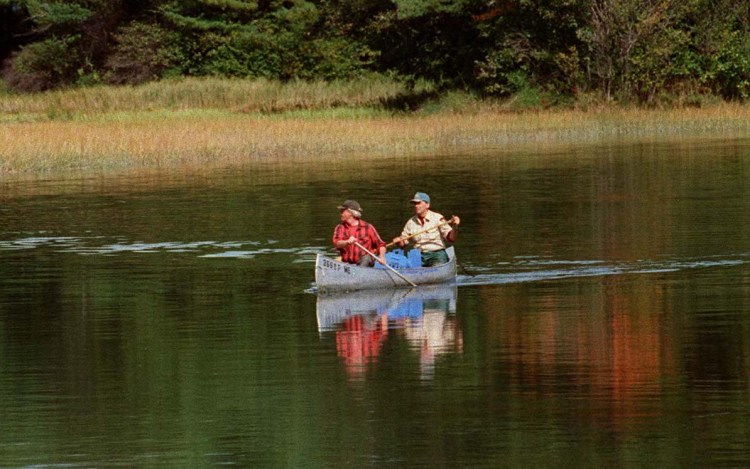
(420,197)
(351,205)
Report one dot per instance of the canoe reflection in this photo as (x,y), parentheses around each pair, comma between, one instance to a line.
(363,321)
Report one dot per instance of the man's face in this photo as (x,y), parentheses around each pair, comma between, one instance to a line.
(420,208)
(345,215)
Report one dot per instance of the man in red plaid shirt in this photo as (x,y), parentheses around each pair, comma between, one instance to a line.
(353,229)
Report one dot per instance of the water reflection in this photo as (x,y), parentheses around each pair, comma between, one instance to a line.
(362,322)
(602,341)
(603,317)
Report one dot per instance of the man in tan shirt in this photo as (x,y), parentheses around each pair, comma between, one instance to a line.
(436,231)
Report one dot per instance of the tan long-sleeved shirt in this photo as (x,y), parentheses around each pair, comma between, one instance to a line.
(433,240)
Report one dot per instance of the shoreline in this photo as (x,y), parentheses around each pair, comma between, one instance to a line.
(91,141)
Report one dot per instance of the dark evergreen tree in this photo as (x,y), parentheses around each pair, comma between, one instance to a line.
(71,41)
(623,49)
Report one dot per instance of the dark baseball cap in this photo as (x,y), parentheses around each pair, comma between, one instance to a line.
(351,205)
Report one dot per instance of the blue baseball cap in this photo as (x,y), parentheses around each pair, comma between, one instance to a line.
(420,197)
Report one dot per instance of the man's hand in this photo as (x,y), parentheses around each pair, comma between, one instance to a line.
(400,241)
(455,221)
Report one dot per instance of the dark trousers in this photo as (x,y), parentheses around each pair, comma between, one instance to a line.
(366,261)
(434,258)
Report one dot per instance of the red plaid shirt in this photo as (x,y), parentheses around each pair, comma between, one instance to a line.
(366,235)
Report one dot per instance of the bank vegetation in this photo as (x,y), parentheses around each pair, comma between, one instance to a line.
(207,122)
(647,52)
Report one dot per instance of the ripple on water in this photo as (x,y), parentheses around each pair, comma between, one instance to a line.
(520,270)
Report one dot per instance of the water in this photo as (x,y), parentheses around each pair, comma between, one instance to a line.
(600,316)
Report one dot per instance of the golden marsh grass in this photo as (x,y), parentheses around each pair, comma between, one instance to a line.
(203,93)
(110,132)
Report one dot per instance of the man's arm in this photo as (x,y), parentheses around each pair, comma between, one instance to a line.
(453,233)
(404,234)
(381,254)
(378,243)
(339,239)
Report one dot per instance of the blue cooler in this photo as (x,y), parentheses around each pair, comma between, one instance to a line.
(415,258)
(395,259)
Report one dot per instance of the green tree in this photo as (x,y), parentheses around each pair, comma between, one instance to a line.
(13,29)
(620,30)
(70,42)
(624,49)
(433,39)
(721,41)
(273,39)
(532,44)
(143,52)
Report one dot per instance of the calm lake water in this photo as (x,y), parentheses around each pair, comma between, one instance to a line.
(601,316)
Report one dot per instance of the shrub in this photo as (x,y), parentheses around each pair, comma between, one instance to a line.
(143,52)
(243,54)
(334,59)
(43,65)
(731,67)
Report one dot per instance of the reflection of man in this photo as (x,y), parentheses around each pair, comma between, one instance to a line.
(428,326)
(359,341)
(436,333)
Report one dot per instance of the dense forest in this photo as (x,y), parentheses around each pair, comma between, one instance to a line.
(622,50)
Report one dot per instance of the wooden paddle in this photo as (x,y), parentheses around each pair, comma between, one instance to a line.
(386,265)
(422,232)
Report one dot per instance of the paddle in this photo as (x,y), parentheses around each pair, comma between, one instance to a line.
(386,265)
(422,232)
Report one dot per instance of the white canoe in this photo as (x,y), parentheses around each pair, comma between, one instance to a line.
(332,309)
(332,275)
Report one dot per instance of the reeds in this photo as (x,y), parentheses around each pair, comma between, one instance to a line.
(225,122)
(205,93)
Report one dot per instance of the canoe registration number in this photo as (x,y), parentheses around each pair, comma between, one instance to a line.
(336,266)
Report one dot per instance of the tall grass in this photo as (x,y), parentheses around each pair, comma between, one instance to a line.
(207,93)
(200,123)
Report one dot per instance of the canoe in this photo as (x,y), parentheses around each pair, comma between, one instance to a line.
(334,308)
(332,275)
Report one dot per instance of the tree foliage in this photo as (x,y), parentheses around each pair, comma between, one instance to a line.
(627,50)
(143,52)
